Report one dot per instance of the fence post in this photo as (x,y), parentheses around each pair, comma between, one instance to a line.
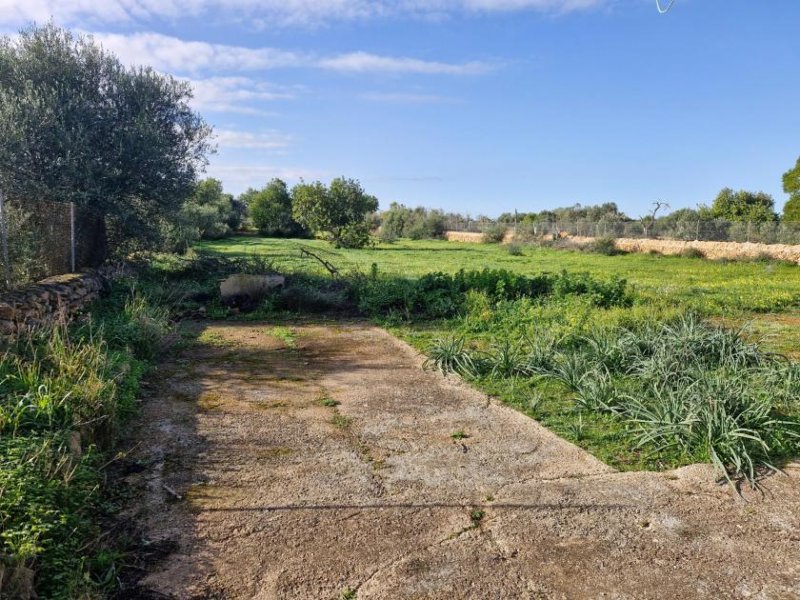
(749,223)
(4,236)
(72,234)
(697,232)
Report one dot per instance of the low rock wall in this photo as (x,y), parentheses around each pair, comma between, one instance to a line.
(712,250)
(51,300)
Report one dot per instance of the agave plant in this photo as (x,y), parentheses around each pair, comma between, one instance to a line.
(596,391)
(450,355)
(569,368)
(506,359)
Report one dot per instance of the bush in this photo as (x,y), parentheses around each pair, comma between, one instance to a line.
(441,295)
(514,249)
(604,245)
(692,253)
(495,234)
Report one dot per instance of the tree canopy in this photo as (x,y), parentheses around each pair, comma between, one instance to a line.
(417,223)
(271,210)
(743,205)
(791,185)
(78,126)
(339,211)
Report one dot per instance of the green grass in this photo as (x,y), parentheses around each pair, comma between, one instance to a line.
(766,295)
(539,350)
(65,394)
(284,334)
(713,287)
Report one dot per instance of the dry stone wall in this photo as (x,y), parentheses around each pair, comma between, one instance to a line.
(54,299)
(712,250)
(472,237)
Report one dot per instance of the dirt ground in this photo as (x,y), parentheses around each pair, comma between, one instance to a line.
(319,462)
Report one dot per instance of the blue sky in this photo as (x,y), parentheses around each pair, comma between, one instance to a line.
(478,106)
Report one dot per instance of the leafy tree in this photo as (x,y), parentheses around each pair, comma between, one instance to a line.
(271,210)
(742,206)
(339,211)
(418,223)
(607,212)
(791,210)
(791,185)
(210,209)
(209,213)
(78,126)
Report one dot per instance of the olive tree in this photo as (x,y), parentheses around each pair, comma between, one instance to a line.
(77,126)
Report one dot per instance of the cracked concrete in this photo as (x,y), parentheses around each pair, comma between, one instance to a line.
(285,497)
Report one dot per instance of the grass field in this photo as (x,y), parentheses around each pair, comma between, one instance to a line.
(764,295)
(589,340)
(714,287)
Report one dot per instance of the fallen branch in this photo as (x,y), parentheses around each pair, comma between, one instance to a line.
(334,272)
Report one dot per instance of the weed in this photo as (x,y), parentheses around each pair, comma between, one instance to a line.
(576,429)
(534,402)
(449,355)
(348,593)
(459,435)
(214,338)
(65,393)
(286,335)
(340,421)
(476,516)
(328,401)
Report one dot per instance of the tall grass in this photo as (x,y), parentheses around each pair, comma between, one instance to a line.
(65,392)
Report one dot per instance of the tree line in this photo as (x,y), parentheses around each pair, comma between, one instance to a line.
(125,147)
(737,206)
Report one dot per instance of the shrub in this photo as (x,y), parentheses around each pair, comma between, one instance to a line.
(515,249)
(692,252)
(604,245)
(441,295)
(494,234)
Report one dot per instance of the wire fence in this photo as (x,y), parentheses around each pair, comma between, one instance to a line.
(38,240)
(712,230)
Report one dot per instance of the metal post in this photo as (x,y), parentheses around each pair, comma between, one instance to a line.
(697,232)
(4,236)
(72,234)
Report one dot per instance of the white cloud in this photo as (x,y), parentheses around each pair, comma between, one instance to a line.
(408,98)
(238,177)
(265,140)
(174,55)
(166,53)
(267,12)
(241,95)
(364,62)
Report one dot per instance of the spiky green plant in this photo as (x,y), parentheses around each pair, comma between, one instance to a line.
(450,355)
